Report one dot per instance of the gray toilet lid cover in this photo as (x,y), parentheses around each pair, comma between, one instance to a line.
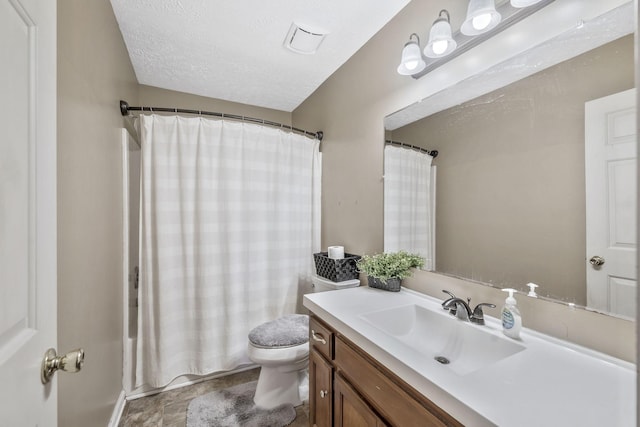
(287,331)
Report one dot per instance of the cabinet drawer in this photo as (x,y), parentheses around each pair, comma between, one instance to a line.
(321,338)
(397,406)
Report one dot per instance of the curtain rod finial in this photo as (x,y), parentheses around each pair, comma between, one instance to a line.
(319,135)
(124,108)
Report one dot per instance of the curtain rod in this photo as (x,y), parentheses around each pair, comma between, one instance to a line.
(125,108)
(432,153)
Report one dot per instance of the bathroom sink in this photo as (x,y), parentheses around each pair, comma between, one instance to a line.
(459,346)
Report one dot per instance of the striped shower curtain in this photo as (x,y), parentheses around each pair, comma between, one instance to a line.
(409,203)
(230,218)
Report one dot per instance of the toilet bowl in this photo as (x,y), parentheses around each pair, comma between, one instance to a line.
(281,348)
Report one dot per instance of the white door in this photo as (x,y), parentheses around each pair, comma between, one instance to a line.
(27,210)
(610,164)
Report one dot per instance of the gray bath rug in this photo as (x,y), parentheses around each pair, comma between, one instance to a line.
(234,407)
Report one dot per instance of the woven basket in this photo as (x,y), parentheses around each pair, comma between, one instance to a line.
(392,284)
(336,270)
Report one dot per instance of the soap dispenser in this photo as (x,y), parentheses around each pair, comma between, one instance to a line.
(511,319)
(532,290)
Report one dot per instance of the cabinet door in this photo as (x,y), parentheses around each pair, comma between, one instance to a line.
(320,386)
(350,409)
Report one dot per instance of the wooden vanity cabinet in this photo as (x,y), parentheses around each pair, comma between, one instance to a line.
(349,388)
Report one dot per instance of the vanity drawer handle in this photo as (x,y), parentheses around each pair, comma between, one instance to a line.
(318,337)
(323,393)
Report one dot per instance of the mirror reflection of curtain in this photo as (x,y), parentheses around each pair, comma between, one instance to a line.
(230,218)
(409,203)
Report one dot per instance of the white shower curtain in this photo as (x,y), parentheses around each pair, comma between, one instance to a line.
(230,218)
(409,203)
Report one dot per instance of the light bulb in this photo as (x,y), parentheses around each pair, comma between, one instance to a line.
(411,62)
(481,17)
(411,65)
(440,41)
(439,47)
(481,22)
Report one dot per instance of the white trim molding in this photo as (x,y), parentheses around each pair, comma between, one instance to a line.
(117,410)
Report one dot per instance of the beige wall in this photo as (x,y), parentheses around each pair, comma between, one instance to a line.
(511,175)
(155,97)
(350,107)
(94,72)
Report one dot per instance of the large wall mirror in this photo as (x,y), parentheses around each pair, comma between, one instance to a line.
(532,176)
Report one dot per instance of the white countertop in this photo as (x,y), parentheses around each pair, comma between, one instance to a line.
(550,383)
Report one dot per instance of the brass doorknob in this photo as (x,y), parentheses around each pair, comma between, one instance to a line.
(70,362)
(596,261)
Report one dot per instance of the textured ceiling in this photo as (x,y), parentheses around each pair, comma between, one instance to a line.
(233,50)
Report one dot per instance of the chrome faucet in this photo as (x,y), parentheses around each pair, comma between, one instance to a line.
(462,310)
(459,308)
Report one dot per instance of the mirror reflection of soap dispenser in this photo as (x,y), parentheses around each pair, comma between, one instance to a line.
(511,319)
(532,290)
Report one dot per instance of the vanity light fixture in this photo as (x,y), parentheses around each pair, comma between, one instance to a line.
(482,16)
(411,62)
(441,43)
(483,21)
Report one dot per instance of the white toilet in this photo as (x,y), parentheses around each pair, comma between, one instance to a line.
(281,348)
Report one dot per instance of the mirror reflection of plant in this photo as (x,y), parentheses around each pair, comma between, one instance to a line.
(389,265)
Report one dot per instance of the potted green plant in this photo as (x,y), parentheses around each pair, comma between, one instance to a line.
(386,270)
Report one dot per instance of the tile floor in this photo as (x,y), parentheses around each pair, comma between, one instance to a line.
(169,408)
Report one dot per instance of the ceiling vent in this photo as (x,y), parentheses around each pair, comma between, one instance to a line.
(303,41)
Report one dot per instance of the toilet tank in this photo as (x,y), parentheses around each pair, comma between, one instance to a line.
(320,284)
